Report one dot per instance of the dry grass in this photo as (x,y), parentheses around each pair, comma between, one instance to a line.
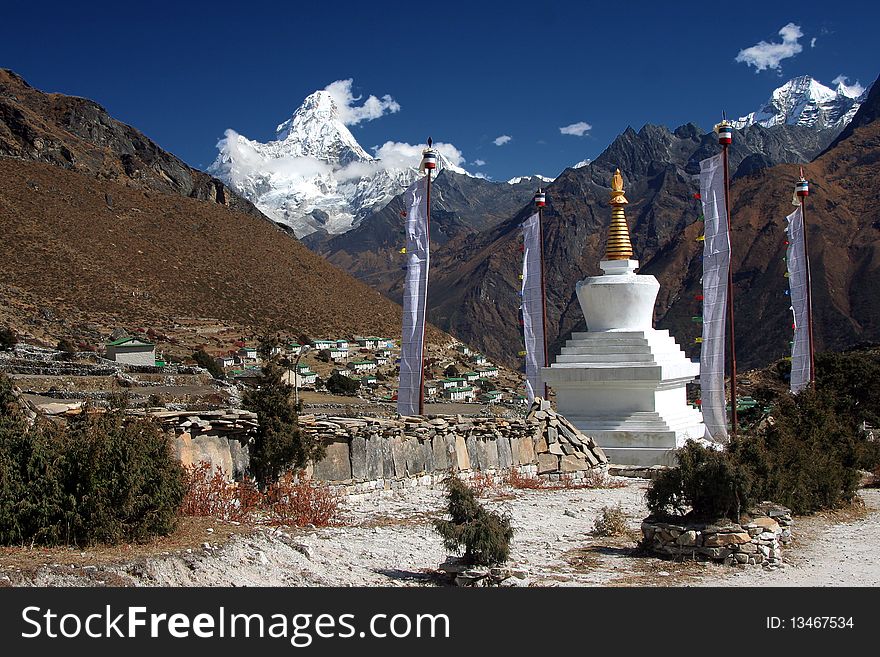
(519,481)
(483,484)
(292,501)
(611,522)
(592,479)
(190,534)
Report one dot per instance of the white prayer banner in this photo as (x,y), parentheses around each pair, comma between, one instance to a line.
(716,263)
(796,258)
(533,306)
(415,294)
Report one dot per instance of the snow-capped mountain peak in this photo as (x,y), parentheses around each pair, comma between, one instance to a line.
(807,102)
(537,177)
(315,175)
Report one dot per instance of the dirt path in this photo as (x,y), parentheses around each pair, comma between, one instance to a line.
(391,542)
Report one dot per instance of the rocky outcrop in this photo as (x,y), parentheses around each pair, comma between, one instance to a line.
(79,134)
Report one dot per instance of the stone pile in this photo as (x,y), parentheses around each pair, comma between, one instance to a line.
(757,541)
(454,571)
(561,447)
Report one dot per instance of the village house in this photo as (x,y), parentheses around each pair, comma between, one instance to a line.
(479,359)
(453,382)
(488,371)
(431,389)
(463,349)
(294,348)
(224,361)
(381,360)
(131,351)
(369,380)
(383,353)
(368,343)
(362,365)
(342,344)
(471,376)
(465,393)
(248,354)
(492,396)
(337,353)
(324,344)
(300,378)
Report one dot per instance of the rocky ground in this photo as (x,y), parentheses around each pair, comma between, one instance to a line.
(390,542)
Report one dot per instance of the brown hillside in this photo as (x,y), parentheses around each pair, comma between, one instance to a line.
(78,134)
(79,251)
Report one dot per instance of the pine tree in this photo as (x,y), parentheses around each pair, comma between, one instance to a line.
(279,445)
(484,536)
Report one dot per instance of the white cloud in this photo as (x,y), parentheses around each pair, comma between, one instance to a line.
(479,163)
(503,139)
(352,114)
(578,129)
(765,55)
(244,162)
(813,42)
(852,90)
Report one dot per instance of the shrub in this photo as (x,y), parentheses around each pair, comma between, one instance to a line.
(339,384)
(204,359)
(706,485)
(323,355)
(301,502)
(520,481)
(8,339)
(807,458)
(483,536)
(278,445)
(482,484)
(210,493)
(611,521)
(290,501)
(101,478)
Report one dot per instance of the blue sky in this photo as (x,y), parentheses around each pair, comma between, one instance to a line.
(463,72)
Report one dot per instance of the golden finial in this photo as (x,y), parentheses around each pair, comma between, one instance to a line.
(618,246)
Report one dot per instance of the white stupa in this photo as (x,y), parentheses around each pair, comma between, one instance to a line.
(623,382)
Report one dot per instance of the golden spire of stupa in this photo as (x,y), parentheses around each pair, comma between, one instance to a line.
(618,246)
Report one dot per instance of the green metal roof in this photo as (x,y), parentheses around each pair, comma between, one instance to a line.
(122,341)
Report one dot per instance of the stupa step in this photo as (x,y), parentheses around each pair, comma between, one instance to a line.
(641,456)
(609,340)
(622,335)
(606,358)
(652,439)
(607,349)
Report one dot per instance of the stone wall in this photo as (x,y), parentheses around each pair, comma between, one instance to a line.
(366,454)
(371,453)
(756,542)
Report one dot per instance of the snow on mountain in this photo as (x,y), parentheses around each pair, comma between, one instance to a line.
(582,163)
(519,179)
(315,175)
(807,102)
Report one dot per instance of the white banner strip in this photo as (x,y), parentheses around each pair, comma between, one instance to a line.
(716,263)
(796,258)
(533,306)
(415,294)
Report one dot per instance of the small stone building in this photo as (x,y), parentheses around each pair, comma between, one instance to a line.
(131,351)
